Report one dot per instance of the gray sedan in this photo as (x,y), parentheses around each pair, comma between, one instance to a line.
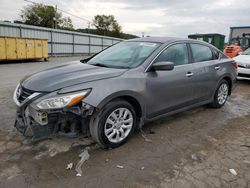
(119,89)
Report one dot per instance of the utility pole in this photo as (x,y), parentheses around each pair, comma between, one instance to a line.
(55,17)
(55,20)
(88,27)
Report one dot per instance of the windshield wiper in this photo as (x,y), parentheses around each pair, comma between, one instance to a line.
(109,66)
(99,65)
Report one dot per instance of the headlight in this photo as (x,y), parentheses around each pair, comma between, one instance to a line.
(61,101)
(17,91)
(17,94)
(244,65)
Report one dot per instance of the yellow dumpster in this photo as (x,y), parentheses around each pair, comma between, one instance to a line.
(12,48)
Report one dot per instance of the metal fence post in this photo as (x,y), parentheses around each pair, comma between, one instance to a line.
(89,46)
(102,43)
(51,42)
(73,38)
(20,30)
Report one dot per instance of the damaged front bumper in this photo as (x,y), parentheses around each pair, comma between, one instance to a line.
(29,127)
(39,124)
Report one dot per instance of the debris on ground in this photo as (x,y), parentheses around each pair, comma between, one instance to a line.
(247,162)
(151,132)
(89,148)
(244,145)
(84,157)
(27,141)
(194,157)
(119,166)
(82,142)
(211,139)
(145,137)
(69,166)
(142,168)
(232,171)
(148,140)
(107,160)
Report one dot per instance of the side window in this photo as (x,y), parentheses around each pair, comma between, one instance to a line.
(201,53)
(177,53)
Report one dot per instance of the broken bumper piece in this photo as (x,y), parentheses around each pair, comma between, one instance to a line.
(36,125)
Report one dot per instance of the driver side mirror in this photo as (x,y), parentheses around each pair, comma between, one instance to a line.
(163,66)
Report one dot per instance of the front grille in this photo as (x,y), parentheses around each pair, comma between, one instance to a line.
(25,93)
(244,75)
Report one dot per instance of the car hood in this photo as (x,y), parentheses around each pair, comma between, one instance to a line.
(242,59)
(67,75)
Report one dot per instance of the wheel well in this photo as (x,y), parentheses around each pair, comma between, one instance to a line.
(229,81)
(133,102)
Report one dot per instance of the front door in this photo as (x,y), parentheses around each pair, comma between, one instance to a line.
(170,90)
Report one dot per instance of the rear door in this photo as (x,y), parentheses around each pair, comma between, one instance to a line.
(205,65)
(170,90)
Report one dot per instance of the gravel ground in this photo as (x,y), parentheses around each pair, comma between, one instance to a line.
(196,148)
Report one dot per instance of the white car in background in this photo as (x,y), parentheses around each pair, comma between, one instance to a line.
(243,61)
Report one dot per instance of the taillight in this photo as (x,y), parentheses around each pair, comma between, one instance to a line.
(235,65)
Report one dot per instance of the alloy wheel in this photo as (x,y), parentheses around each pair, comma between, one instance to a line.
(118,125)
(222,93)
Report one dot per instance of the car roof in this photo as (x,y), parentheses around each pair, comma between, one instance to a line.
(168,40)
(158,39)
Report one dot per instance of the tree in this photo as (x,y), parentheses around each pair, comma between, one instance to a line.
(110,34)
(66,23)
(45,16)
(107,24)
(18,21)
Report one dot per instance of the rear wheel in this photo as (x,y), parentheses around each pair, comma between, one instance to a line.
(113,125)
(221,94)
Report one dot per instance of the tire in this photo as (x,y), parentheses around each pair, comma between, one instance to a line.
(221,94)
(105,124)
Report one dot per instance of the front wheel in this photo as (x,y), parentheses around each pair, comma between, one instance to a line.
(221,94)
(113,125)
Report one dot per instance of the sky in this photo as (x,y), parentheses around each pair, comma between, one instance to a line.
(177,18)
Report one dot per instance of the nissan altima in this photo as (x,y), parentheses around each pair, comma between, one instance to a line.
(118,90)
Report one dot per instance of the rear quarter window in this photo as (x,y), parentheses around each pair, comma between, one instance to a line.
(219,55)
(223,56)
(216,54)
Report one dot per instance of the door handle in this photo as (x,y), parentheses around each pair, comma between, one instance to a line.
(217,67)
(189,74)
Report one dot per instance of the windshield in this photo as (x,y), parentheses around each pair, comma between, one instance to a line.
(124,55)
(246,52)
